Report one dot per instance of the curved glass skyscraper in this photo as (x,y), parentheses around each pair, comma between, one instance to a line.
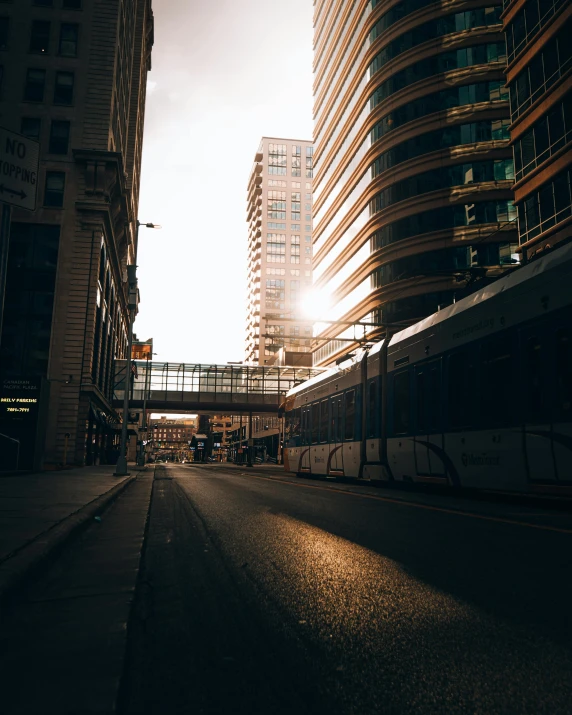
(413,170)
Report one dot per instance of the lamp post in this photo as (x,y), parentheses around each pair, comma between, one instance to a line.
(121,467)
(144,426)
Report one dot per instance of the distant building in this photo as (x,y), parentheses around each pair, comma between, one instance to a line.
(539,76)
(413,170)
(74,76)
(172,434)
(279,215)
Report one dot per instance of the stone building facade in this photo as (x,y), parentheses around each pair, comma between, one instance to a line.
(73,78)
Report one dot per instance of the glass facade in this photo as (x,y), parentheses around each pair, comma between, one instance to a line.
(418,126)
(540,52)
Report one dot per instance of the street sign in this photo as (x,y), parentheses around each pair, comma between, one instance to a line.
(19,162)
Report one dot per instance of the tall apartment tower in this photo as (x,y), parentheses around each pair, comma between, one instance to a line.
(412,166)
(279,216)
(73,78)
(539,76)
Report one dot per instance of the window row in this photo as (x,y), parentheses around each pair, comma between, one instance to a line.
(274,170)
(545,208)
(480,17)
(332,420)
(547,136)
(444,218)
(458,259)
(34,88)
(468,388)
(396,13)
(496,129)
(545,69)
(59,133)
(457,175)
(430,104)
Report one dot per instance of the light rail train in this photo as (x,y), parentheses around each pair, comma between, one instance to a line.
(478,395)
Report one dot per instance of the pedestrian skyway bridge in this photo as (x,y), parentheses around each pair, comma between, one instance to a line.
(228,389)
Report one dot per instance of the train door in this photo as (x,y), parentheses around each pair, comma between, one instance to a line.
(536,408)
(336,447)
(304,465)
(421,450)
(429,430)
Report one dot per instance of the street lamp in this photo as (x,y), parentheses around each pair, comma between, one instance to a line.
(121,467)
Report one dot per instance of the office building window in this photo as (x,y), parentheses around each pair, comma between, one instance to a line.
(307,228)
(276,271)
(295,216)
(4,31)
(295,239)
(296,160)
(63,89)
(54,193)
(40,37)
(296,185)
(308,239)
(30,127)
(276,182)
(294,271)
(68,40)
(34,88)
(59,137)
(294,226)
(277,159)
(276,204)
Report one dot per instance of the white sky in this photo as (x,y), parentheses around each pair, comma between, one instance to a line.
(224,75)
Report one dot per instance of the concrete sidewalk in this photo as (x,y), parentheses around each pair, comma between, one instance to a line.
(39,511)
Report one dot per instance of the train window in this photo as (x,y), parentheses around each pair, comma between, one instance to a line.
(350,405)
(324,421)
(421,387)
(372,409)
(295,424)
(401,403)
(534,379)
(336,429)
(306,425)
(461,390)
(497,380)
(315,421)
(564,373)
(434,397)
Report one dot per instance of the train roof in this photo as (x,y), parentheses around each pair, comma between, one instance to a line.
(348,364)
(552,260)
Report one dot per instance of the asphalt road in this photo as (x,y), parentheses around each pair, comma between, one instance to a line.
(265,594)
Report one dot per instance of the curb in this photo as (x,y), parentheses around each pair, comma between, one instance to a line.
(18,569)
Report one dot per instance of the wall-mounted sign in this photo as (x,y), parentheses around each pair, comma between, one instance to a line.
(19,398)
(19,161)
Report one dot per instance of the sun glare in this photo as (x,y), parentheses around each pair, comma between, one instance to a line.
(316,305)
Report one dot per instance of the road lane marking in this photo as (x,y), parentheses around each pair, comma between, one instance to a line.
(415,505)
